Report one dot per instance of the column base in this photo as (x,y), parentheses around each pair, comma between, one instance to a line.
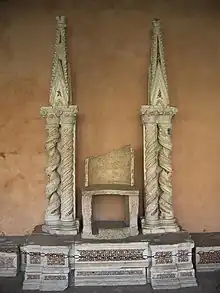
(150,227)
(52,221)
(169,225)
(159,227)
(62,228)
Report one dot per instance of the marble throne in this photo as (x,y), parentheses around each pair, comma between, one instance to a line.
(110,175)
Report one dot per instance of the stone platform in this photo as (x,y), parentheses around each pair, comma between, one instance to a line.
(208,282)
(111,264)
(171,264)
(55,263)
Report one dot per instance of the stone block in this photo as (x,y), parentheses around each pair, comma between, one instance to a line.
(32,280)
(34,258)
(33,268)
(104,276)
(55,268)
(110,264)
(148,229)
(184,255)
(55,258)
(54,281)
(59,230)
(163,256)
(163,271)
(164,278)
(171,265)
(186,272)
(120,255)
(207,258)
(47,267)
(187,278)
(9,261)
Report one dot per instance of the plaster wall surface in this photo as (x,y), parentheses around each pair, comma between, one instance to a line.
(109,46)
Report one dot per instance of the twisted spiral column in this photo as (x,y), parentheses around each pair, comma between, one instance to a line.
(59,167)
(67,169)
(151,174)
(165,176)
(52,214)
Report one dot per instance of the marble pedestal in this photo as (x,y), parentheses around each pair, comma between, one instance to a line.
(208,258)
(110,264)
(54,263)
(9,261)
(47,267)
(207,251)
(171,261)
(55,273)
(33,268)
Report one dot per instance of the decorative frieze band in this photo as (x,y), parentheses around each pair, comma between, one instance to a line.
(151,114)
(66,115)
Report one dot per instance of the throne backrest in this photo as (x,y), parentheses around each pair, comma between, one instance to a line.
(115,167)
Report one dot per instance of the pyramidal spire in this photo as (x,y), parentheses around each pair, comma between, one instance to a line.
(60,91)
(157,80)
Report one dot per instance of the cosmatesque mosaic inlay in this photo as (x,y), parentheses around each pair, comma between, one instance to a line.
(209,257)
(33,277)
(111,255)
(6,262)
(183,255)
(56,259)
(186,274)
(166,276)
(109,273)
(54,278)
(35,258)
(163,257)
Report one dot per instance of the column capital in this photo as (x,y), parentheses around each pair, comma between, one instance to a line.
(157,114)
(51,115)
(68,115)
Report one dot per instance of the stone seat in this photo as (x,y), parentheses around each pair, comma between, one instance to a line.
(110,188)
(114,180)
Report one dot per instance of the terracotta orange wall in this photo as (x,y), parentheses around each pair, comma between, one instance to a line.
(109,46)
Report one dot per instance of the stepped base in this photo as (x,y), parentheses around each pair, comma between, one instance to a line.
(159,227)
(110,277)
(62,229)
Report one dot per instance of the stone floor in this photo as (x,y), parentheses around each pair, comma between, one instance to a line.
(208,283)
